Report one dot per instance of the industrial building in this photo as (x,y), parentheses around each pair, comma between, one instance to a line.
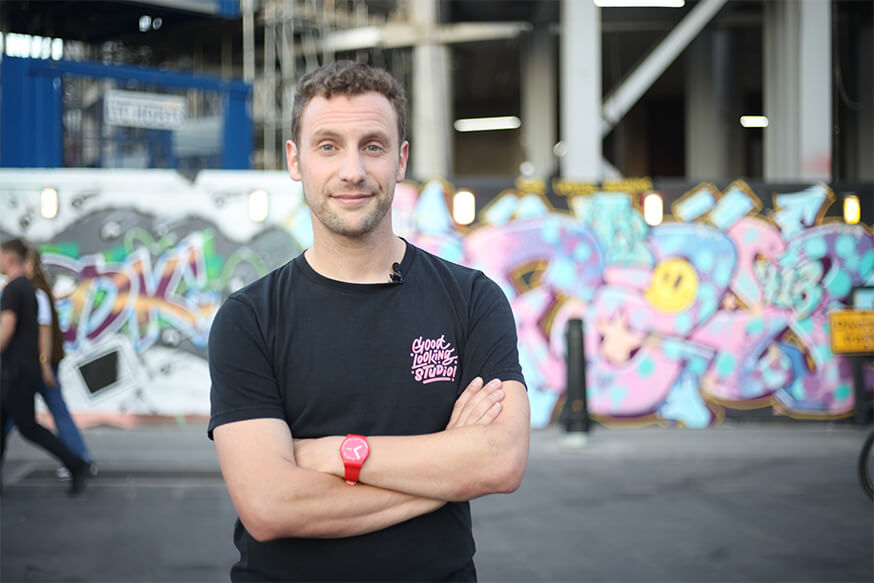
(766,90)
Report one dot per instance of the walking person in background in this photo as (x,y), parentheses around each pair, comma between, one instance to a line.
(51,352)
(20,366)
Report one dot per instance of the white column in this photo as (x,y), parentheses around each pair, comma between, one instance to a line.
(539,102)
(798,82)
(815,90)
(708,96)
(780,71)
(581,90)
(431,147)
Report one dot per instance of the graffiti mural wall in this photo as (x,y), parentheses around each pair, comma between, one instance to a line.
(721,308)
(141,262)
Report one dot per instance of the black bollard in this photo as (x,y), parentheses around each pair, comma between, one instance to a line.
(575,414)
(863,411)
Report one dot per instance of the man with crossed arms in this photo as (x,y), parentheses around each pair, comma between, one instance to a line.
(349,411)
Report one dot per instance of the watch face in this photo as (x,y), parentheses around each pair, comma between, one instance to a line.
(354,449)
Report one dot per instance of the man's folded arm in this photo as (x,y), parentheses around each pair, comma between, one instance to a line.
(463,462)
(275,498)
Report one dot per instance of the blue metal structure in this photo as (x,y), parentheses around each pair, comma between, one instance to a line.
(222,8)
(31,100)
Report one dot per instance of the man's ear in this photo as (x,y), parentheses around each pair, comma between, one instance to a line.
(405,156)
(292,160)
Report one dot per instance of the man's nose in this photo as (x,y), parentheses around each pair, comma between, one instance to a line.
(352,167)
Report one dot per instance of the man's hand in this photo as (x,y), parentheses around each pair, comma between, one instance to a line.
(478,404)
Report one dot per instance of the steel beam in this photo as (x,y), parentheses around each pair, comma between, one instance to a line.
(623,98)
(248,40)
(399,35)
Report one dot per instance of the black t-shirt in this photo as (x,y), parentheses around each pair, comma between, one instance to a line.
(21,355)
(332,358)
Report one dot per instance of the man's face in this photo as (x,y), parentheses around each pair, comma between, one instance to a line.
(349,159)
(4,261)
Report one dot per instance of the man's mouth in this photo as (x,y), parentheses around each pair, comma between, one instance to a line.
(351,198)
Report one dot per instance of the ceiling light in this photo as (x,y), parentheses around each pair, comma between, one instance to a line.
(487,124)
(57,49)
(639,3)
(754,121)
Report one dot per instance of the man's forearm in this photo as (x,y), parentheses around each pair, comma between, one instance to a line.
(456,464)
(460,463)
(276,498)
(323,506)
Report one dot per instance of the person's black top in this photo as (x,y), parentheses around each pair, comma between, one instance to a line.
(332,358)
(21,356)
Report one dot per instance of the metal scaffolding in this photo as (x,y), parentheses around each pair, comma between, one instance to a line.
(293,37)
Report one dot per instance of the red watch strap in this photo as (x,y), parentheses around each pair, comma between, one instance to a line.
(352,473)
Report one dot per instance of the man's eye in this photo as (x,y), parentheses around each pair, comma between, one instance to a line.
(374,148)
(327,147)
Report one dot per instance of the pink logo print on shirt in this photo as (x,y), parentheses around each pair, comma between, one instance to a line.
(434,359)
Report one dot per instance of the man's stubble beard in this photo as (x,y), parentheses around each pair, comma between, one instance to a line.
(334,222)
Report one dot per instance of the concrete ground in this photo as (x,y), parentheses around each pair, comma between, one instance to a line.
(741,502)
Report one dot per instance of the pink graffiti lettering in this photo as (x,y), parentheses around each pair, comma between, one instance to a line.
(751,331)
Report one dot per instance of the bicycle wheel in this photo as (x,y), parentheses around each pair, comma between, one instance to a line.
(866,465)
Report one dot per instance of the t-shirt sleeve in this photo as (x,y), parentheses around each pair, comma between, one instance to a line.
(240,368)
(490,350)
(43,309)
(9,298)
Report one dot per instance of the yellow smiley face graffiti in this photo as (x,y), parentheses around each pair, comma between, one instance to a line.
(673,286)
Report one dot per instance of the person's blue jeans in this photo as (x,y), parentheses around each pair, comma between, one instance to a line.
(64,425)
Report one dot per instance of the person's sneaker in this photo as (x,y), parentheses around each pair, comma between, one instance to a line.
(77,480)
(63,473)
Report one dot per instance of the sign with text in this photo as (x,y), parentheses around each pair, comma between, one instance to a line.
(852,331)
(136,109)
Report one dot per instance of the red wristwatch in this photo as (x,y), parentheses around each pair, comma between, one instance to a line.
(354,450)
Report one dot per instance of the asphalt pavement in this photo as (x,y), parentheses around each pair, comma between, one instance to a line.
(741,502)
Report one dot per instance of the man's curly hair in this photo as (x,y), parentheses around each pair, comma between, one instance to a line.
(348,78)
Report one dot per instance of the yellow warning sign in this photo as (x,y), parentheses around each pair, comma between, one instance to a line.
(852,331)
